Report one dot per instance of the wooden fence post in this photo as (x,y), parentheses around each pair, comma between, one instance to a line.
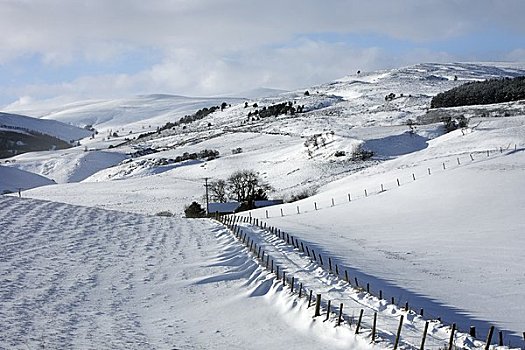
(298,212)
(471,157)
(282,212)
(366,193)
(359,321)
(333,203)
(459,163)
(422,347)
(284,278)
(382,188)
(310,298)
(317,306)
(500,342)
(267,214)
(398,335)
(346,276)
(336,270)
(330,264)
(414,176)
(340,318)
(300,289)
(398,184)
(451,340)
(315,205)
(489,336)
(349,198)
(328,310)
(472,331)
(356,283)
(380,294)
(429,173)
(374,324)
(368,288)
(321,260)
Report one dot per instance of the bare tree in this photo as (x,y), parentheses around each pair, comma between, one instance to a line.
(218,191)
(246,186)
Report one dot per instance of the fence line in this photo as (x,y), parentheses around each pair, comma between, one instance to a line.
(383,187)
(367,323)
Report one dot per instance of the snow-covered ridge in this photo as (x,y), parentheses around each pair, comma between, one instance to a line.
(53,128)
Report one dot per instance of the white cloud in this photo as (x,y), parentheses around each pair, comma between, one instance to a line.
(217,46)
(54,27)
(189,72)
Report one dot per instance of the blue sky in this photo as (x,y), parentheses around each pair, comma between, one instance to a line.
(73,49)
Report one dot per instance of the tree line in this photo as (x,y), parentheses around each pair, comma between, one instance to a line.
(482,92)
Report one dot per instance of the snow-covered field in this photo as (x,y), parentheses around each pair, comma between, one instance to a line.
(449,241)
(86,278)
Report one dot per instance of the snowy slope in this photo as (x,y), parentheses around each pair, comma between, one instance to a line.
(12,180)
(456,229)
(135,114)
(71,165)
(54,128)
(84,278)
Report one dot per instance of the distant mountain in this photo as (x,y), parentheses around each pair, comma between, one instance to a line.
(20,134)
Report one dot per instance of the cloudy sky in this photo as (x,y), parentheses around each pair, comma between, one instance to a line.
(114,48)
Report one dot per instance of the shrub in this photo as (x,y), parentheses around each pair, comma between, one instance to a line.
(340,153)
(194,210)
(359,153)
(165,213)
(452,124)
(305,193)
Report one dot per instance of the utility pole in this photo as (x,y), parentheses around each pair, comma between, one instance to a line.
(207,198)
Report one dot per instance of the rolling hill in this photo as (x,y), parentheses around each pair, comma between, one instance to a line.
(438,225)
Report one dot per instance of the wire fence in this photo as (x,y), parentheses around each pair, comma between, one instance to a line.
(380,322)
(451,162)
(385,320)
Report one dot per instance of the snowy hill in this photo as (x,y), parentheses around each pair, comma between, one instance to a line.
(62,131)
(20,134)
(12,180)
(132,114)
(437,208)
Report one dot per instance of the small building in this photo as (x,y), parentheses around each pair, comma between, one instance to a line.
(233,207)
(223,208)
